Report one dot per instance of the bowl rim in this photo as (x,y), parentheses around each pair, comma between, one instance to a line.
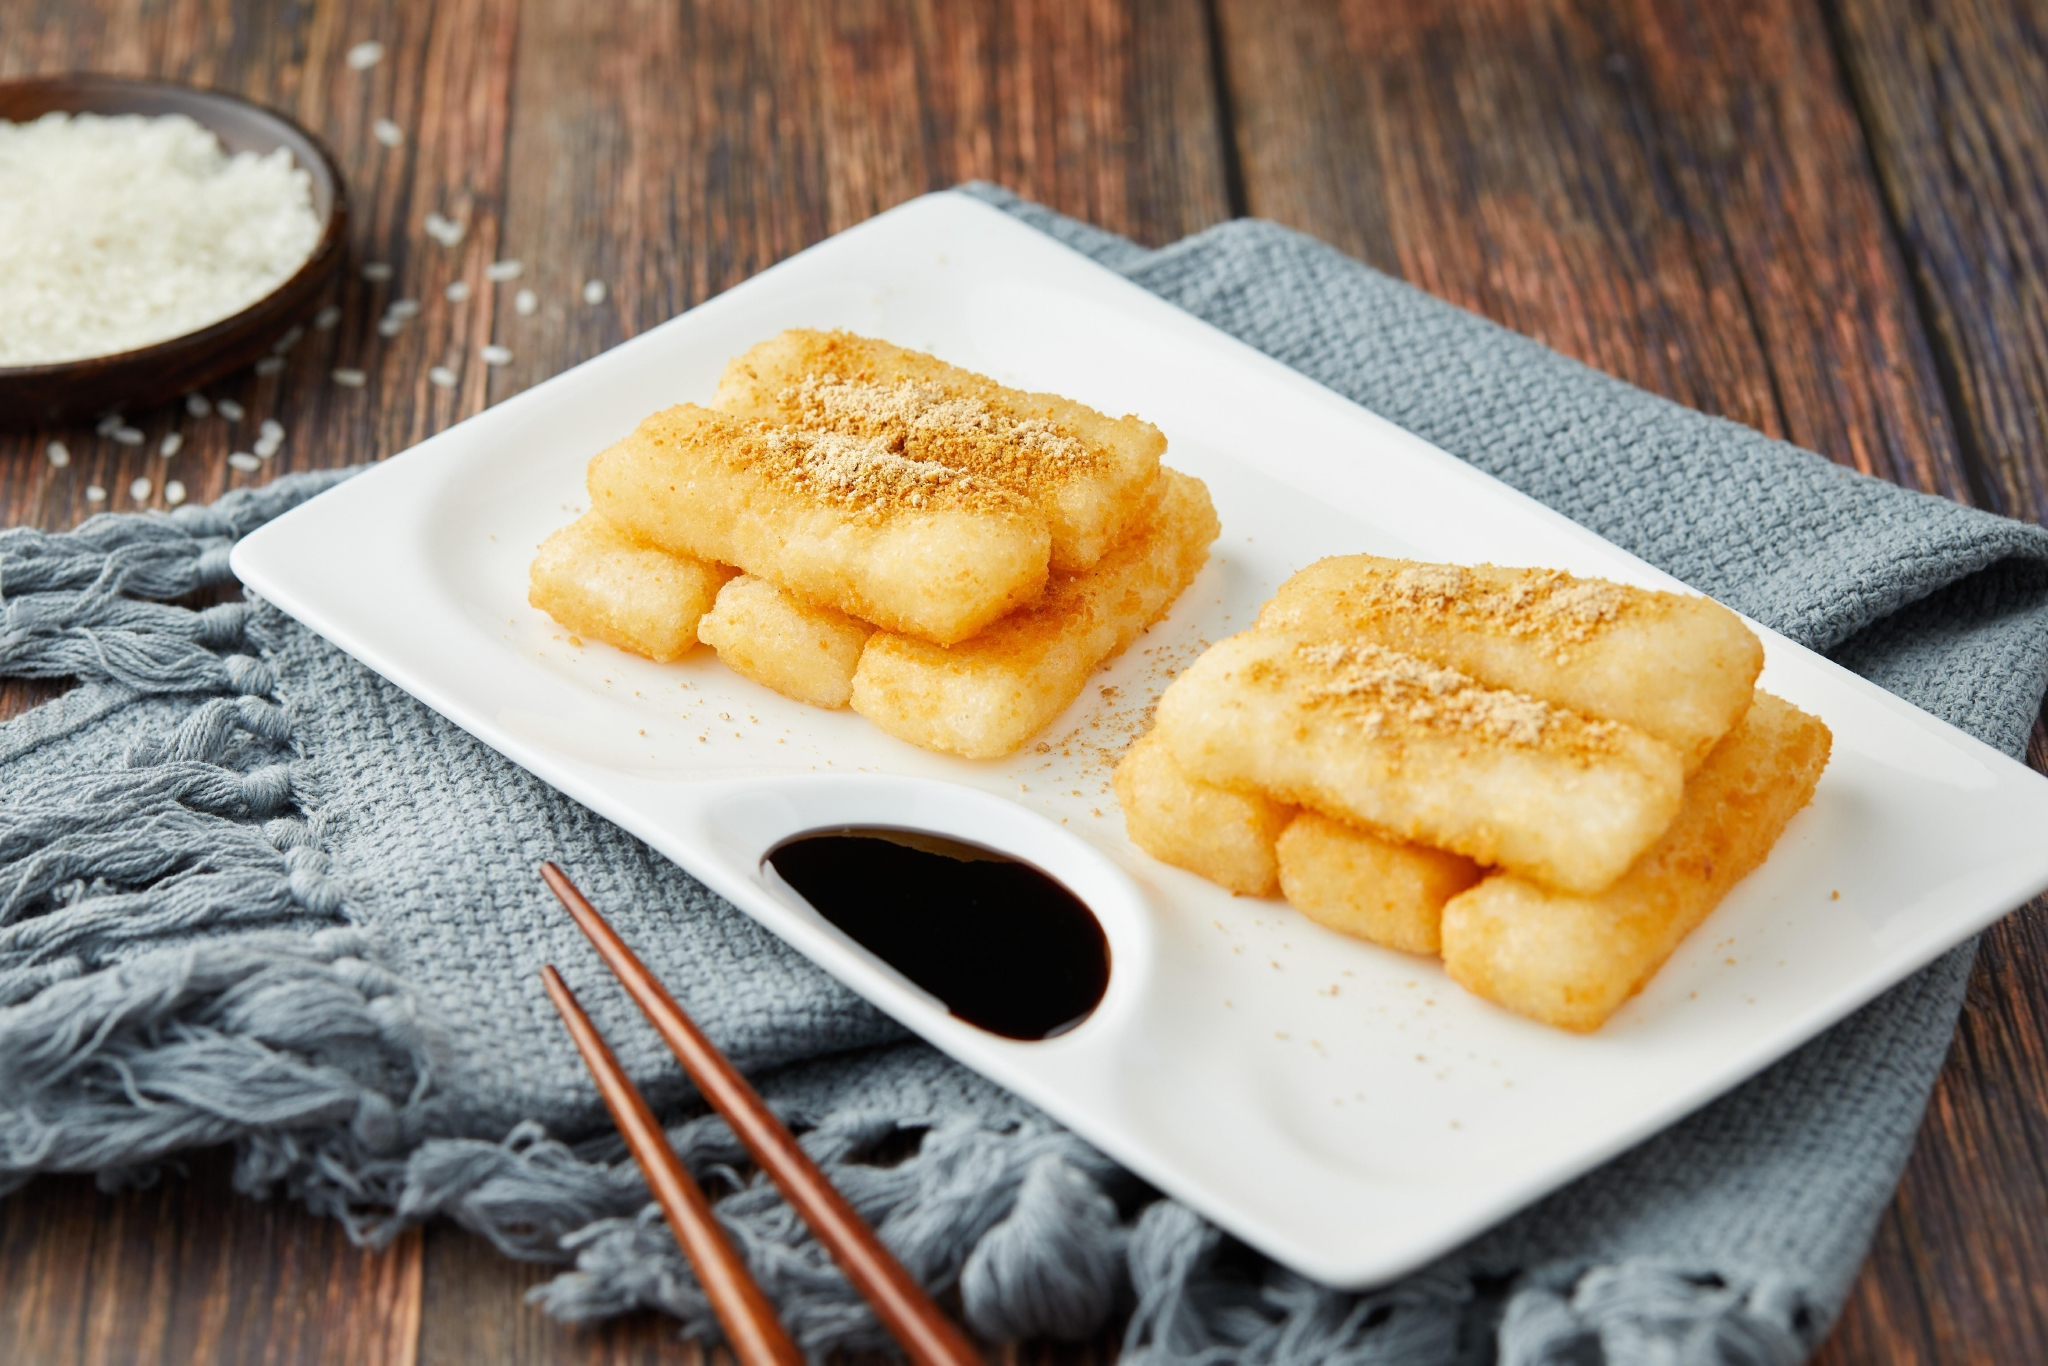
(316,262)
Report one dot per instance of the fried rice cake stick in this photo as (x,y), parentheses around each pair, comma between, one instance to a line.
(800,649)
(1227,837)
(1676,667)
(1092,476)
(1357,883)
(596,580)
(987,696)
(1572,961)
(907,544)
(1423,754)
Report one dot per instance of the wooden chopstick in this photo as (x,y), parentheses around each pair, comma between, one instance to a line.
(756,1334)
(926,1335)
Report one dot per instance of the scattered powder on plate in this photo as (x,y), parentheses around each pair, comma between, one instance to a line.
(125,231)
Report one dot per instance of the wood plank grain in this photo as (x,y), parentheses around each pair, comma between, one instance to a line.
(189,1271)
(672,151)
(1676,193)
(1955,96)
(480,1314)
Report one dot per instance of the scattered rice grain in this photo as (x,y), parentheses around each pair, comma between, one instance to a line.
(363,56)
(229,409)
(456,292)
(327,317)
(245,462)
(443,229)
(127,436)
(525,303)
(270,365)
(266,446)
(272,429)
(197,405)
(140,489)
(377,270)
(106,425)
(497,355)
(350,379)
(172,443)
(390,327)
(593,291)
(59,453)
(402,308)
(441,376)
(95,494)
(507,269)
(289,339)
(174,492)
(388,133)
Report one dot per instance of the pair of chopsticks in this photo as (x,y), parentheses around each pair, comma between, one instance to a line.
(926,1335)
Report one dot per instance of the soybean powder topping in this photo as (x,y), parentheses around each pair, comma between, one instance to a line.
(861,473)
(1400,689)
(1530,603)
(123,231)
(1028,455)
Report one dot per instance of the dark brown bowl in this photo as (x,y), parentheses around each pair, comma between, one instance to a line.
(128,380)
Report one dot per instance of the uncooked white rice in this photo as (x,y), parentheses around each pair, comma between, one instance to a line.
(120,232)
(272,429)
(443,229)
(388,133)
(503,270)
(350,379)
(59,453)
(140,489)
(327,317)
(170,445)
(270,365)
(593,291)
(497,355)
(245,462)
(95,494)
(231,410)
(442,377)
(127,436)
(375,271)
(525,303)
(456,291)
(197,405)
(363,56)
(174,492)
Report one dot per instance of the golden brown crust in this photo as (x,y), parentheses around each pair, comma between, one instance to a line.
(1362,884)
(597,581)
(1227,837)
(1674,666)
(1089,474)
(910,546)
(1572,961)
(986,696)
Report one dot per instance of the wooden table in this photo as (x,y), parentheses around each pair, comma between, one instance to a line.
(1824,218)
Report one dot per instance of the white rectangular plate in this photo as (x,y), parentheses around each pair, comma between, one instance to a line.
(1345,1109)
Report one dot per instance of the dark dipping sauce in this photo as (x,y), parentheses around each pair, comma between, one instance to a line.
(1003,945)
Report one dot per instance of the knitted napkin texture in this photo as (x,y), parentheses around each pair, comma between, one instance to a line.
(250,893)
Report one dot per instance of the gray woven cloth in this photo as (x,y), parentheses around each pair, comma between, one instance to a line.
(252,894)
